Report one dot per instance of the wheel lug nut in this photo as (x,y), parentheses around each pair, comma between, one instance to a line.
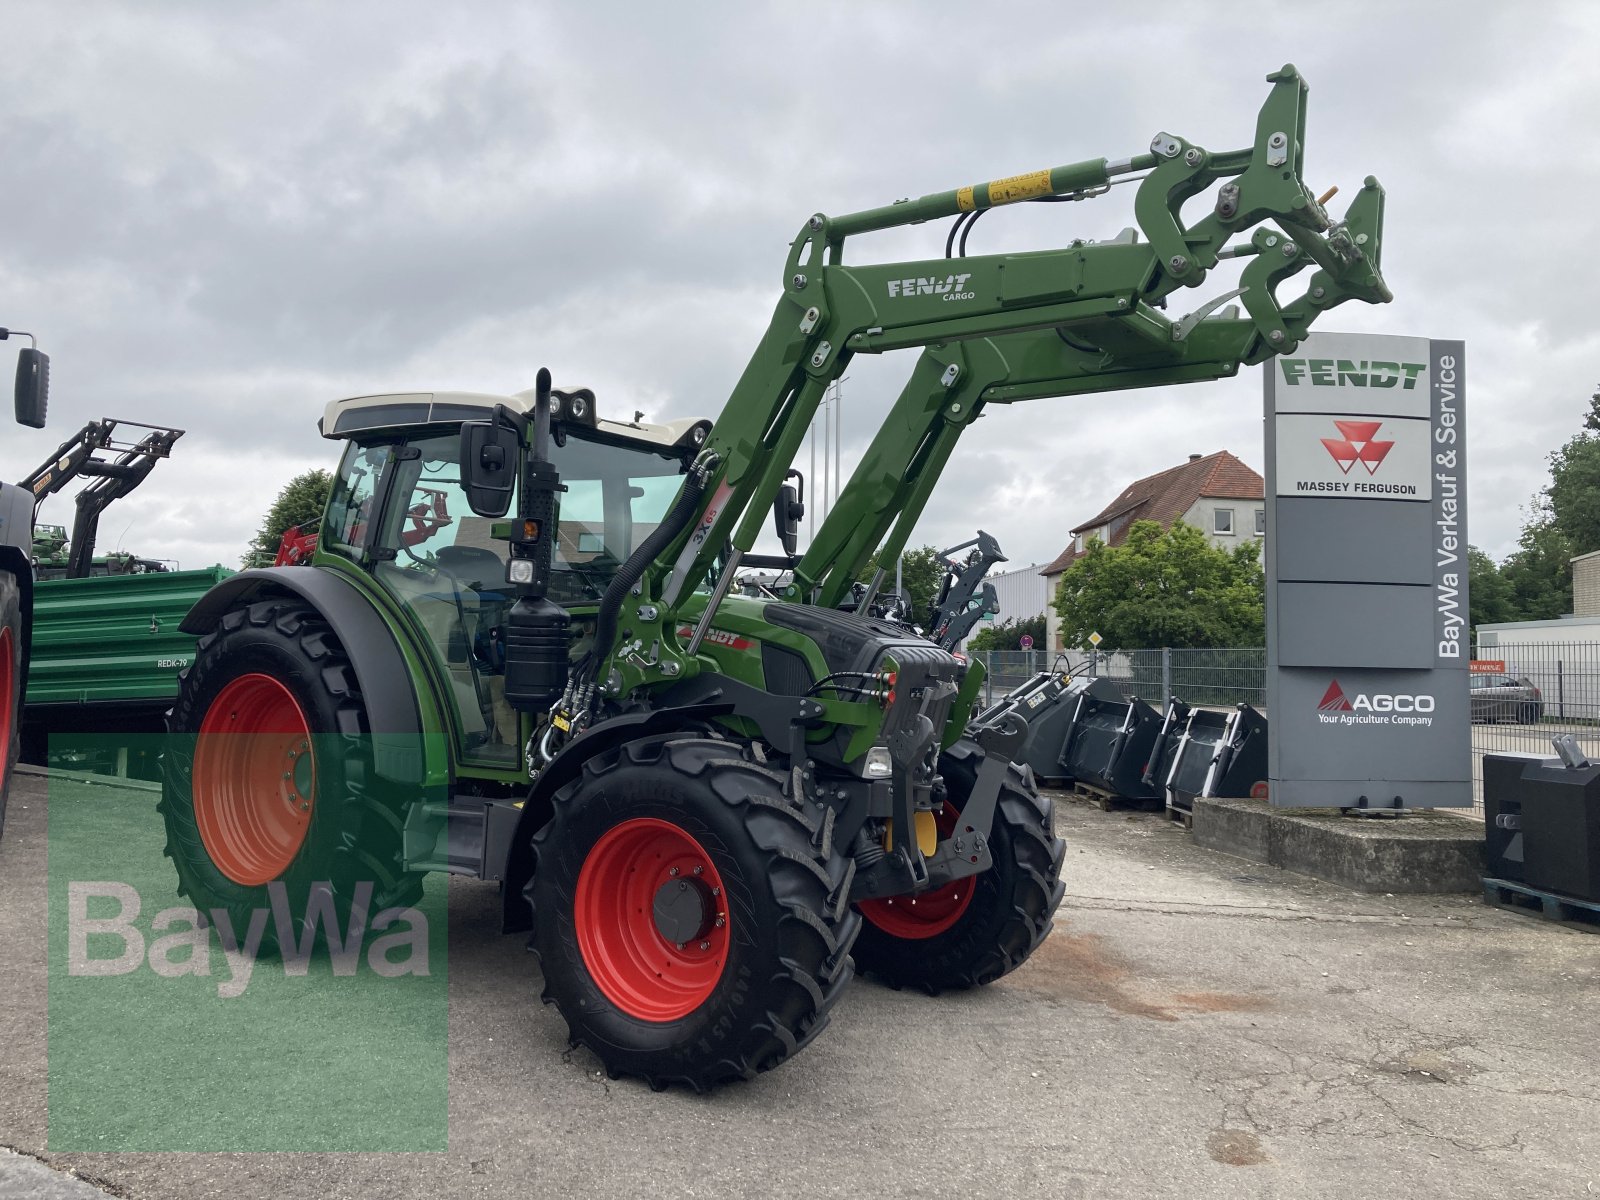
(721,921)
(716,891)
(672,870)
(698,870)
(705,945)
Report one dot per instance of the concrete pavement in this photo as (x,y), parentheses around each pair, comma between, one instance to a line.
(1197,1026)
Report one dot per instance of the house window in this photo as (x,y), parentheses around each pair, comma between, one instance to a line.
(1222,522)
(1261,522)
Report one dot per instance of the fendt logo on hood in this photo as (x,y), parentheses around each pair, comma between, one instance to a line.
(1357,444)
(951,287)
(1373,708)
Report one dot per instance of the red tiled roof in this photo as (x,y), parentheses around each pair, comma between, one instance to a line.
(1166,496)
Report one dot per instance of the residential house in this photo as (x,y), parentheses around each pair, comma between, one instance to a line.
(1216,493)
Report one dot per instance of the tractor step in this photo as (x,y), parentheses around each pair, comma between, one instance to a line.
(471,835)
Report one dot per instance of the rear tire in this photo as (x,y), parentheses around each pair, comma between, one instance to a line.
(11,648)
(727,1001)
(1004,913)
(272,681)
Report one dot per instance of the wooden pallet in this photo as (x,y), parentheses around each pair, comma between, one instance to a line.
(1109,801)
(1519,897)
(1181,817)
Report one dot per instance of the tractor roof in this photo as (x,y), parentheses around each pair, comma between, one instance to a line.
(400,411)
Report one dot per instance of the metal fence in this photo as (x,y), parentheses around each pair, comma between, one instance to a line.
(1555,688)
(1211,678)
(1546,689)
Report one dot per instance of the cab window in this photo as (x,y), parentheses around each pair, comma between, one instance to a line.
(346,525)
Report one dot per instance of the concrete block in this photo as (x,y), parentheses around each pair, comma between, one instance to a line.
(1422,852)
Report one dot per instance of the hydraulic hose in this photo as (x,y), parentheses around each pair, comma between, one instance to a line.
(630,572)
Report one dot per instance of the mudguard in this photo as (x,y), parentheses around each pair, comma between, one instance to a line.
(515,914)
(16,562)
(387,689)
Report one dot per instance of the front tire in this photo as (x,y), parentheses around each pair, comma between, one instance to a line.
(267,777)
(11,648)
(973,931)
(692,921)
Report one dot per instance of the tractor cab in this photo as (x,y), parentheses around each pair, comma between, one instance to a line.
(398,512)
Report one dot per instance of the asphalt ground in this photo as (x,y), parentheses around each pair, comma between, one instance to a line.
(1196,1026)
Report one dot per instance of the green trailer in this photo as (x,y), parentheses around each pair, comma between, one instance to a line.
(107,651)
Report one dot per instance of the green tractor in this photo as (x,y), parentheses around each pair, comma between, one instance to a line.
(518,652)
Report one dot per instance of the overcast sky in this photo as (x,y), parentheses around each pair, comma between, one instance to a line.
(222,216)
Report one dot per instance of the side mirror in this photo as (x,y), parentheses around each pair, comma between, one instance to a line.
(33,388)
(489,454)
(787,510)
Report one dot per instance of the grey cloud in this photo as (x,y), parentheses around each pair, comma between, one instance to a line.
(233,214)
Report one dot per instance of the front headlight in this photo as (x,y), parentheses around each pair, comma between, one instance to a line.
(519,570)
(878,764)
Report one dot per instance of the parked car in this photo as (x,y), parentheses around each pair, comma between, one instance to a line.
(1506,698)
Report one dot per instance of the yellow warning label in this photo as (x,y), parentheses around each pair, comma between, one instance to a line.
(1019,187)
(964,199)
(561,723)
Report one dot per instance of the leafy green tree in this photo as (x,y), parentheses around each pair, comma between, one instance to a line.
(1574,490)
(1007,635)
(1539,571)
(302,499)
(1163,588)
(920,572)
(1493,598)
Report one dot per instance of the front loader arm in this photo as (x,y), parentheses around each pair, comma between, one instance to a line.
(1099,295)
(952,386)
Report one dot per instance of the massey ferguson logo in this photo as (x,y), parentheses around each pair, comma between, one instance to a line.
(1356,444)
(951,287)
(1374,708)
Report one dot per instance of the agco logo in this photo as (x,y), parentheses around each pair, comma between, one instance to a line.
(951,287)
(1356,445)
(1341,372)
(1375,708)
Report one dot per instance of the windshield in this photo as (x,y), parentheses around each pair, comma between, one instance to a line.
(616,496)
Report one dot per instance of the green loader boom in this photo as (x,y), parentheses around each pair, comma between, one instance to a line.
(1001,329)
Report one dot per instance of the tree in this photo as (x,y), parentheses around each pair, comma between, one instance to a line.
(1539,571)
(1574,491)
(302,499)
(920,570)
(1493,598)
(1163,588)
(1007,635)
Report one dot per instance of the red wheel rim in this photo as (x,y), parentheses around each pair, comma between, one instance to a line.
(254,780)
(627,953)
(8,681)
(926,914)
